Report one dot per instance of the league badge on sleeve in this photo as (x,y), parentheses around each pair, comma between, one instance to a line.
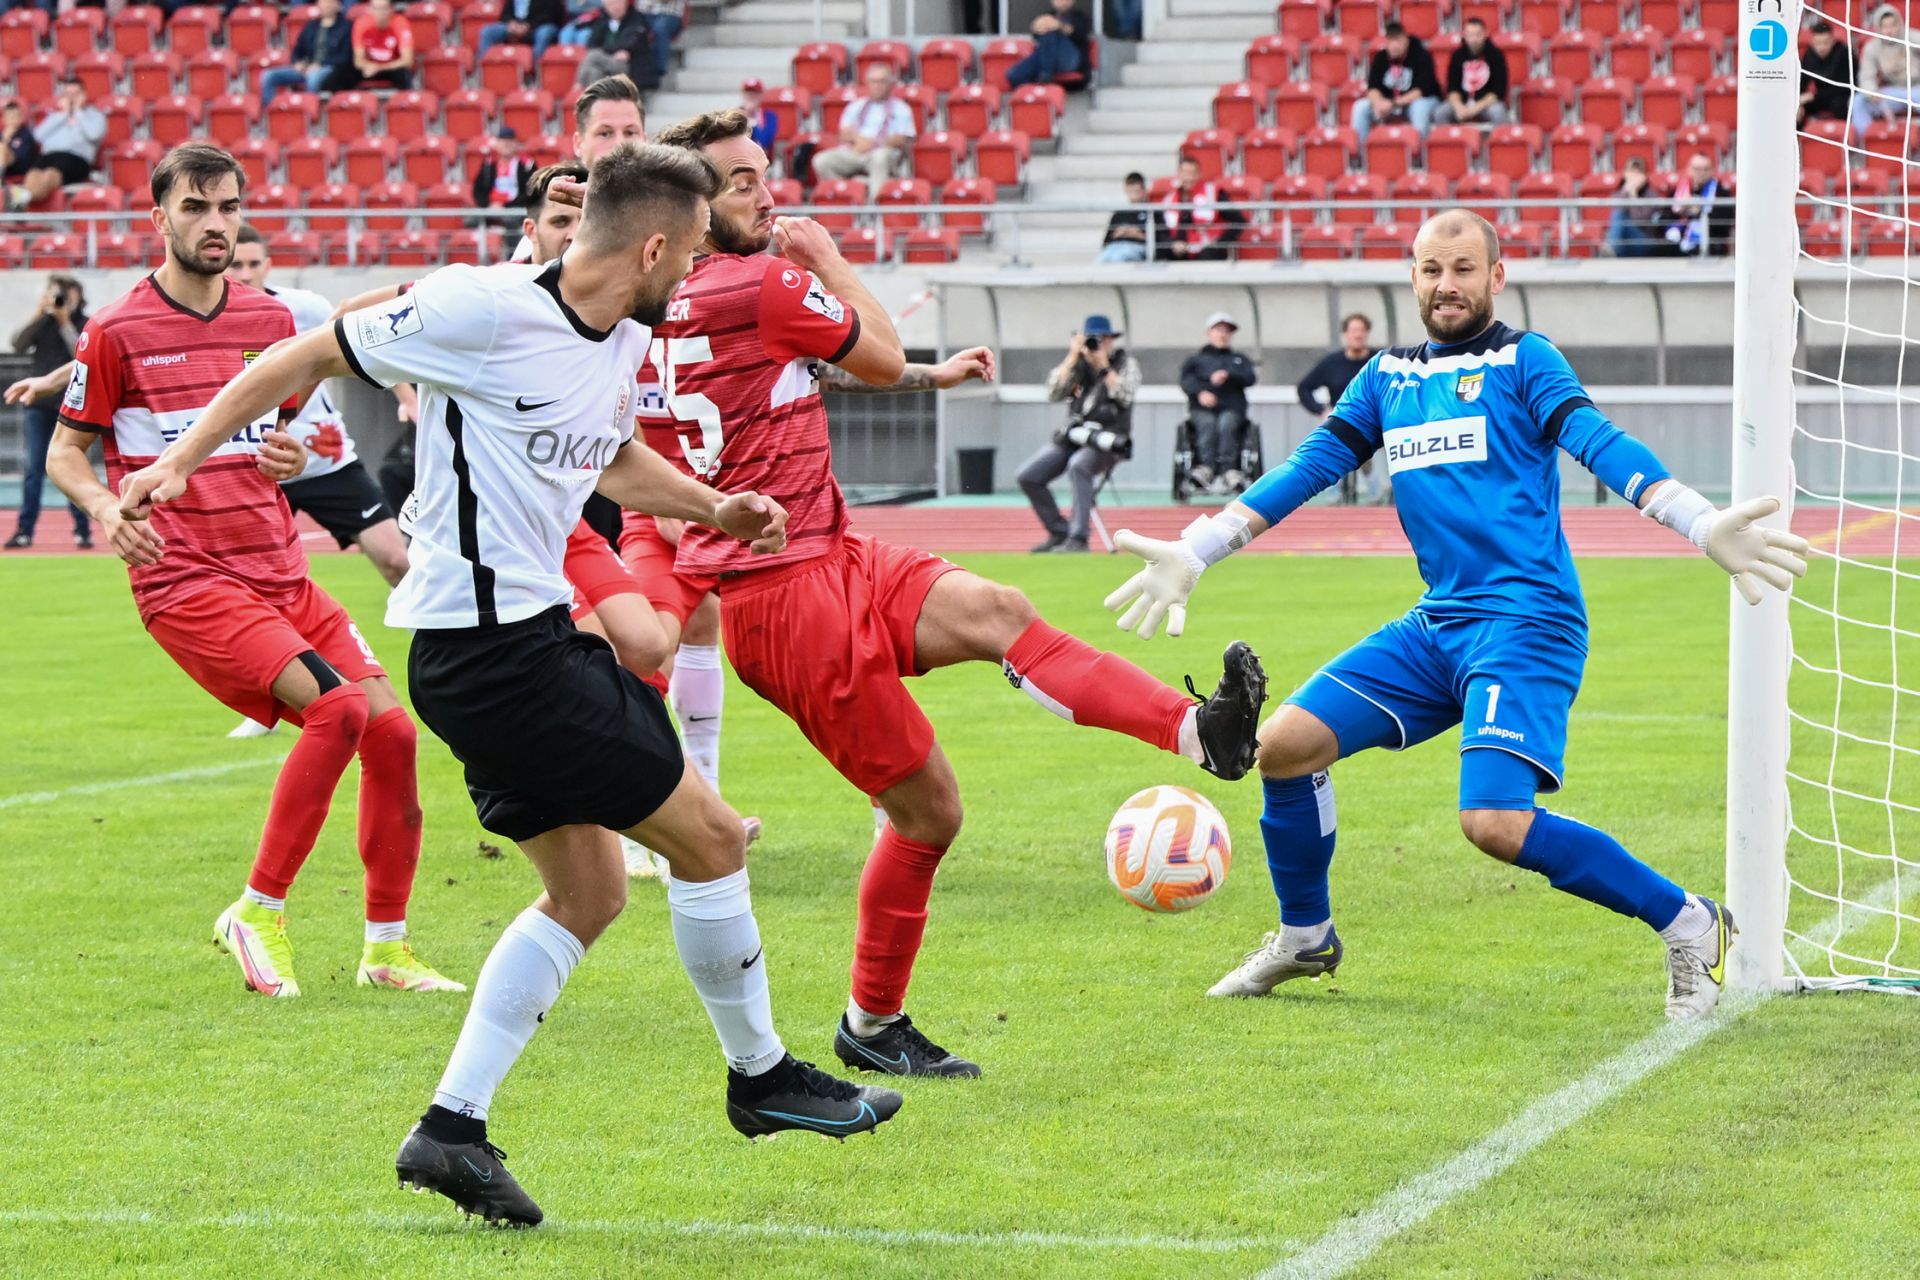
(377,326)
(76,397)
(1468,387)
(818,299)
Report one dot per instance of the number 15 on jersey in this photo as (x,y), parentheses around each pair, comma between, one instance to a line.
(696,419)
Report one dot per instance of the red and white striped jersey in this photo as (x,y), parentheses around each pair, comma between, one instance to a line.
(730,395)
(144,370)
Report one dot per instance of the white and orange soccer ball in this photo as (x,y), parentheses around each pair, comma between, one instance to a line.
(1167,849)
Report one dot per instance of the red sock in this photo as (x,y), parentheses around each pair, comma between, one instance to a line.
(1078,682)
(389,813)
(893,916)
(330,731)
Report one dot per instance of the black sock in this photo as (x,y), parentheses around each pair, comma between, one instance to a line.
(451,1127)
(754,1088)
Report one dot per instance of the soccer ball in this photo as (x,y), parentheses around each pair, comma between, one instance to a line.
(1167,849)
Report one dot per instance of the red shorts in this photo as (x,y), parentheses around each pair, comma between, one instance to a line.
(829,641)
(650,557)
(235,645)
(595,569)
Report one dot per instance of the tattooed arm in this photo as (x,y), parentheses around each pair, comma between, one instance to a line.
(975,362)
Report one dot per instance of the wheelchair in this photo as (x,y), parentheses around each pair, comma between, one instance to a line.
(1253,460)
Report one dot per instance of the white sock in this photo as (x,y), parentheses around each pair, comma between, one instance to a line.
(1190,737)
(1304,937)
(386,930)
(719,944)
(698,688)
(517,985)
(864,1024)
(253,895)
(1694,920)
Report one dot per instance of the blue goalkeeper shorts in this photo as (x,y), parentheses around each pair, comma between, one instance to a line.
(1509,684)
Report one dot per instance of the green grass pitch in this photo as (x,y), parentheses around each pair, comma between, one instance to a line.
(157,1121)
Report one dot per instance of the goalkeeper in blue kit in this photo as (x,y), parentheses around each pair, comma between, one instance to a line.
(1470,423)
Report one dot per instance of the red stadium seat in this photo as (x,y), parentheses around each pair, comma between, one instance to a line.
(1452,149)
(295,20)
(410,114)
(1667,100)
(931,244)
(1420,17)
(973,109)
(1717,101)
(1391,242)
(1542,186)
(938,156)
(1300,107)
(232,118)
(1714,139)
(1605,17)
(1605,101)
(1000,157)
(391,195)
(559,68)
(153,75)
(896,55)
(1696,53)
(1212,149)
(1630,54)
(946,64)
(172,121)
(1240,190)
(79,31)
(1666,16)
(471,18)
(22,32)
(506,69)
(260,157)
(95,199)
(863,244)
(1360,19)
(1544,101)
(1332,58)
(251,29)
(370,160)
(309,161)
(1239,106)
(965,205)
(264,206)
(528,112)
(1574,149)
(838,193)
(834,102)
(1573,55)
(1522,239)
(1268,153)
(467,114)
(130,164)
(904,191)
(1299,187)
(1484,193)
(792,107)
(1271,59)
(1511,149)
(1260,242)
(786,193)
(1721,15)
(444,70)
(1356,187)
(123,114)
(474,245)
(998,55)
(923,99)
(430,22)
(1392,149)
(1035,109)
(1492,12)
(1545,18)
(211,74)
(292,116)
(351,115)
(37,75)
(58,252)
(1425,188)
(331,196)
(1302,19)
(136,29)
(428,161)
(194,29)
(414,249)
(119,250)
(99,71)
(1327,151)
(446,195)
(1317,241)
(1523,50)
(1888,144)
(1825,239)
(817,67)
(352,248)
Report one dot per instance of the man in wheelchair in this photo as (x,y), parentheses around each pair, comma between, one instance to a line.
(1098,379)
(1215,434)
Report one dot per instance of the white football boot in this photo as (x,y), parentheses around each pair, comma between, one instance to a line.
(251,728)
(1697,969)
(1272,963)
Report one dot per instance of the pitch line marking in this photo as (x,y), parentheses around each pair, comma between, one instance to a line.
(151,780)
(1353,1240)
(698,1227)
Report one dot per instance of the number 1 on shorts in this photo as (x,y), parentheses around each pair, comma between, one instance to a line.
(1493,701)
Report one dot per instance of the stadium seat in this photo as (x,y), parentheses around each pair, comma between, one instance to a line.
(444,70)
(130,164)
(786,193)
(1000,157)
(998,55)
(863,245)
(1542,186)
(471,18)
(1452,149)
(194,29)
(1426,188)
(834,102)
(836,193)
(95,199)
(409,114)
(1420,17)
(1714,139)
(938,156)
(930,244)
(1824,238)
(414,249)
(904,191)
(474,245)
(1300,107)
(1646,143)
(1718,98)
(924,101)
(1355,188)
(792,107)
(1240,189)
(1573,55)
(99,71)
(559,68)
(309,161)
(1240,105)
(1211,149)
(1522,239)
(1298,187)
(945,65)
(445,195)
(78,31)
(428,161)
(265,206)
(1484,193)
(430,22)
(1332,58)
(1035,109)
(1524,50)
(1888,144)
(1326,151)
(1391,150)
(1392,242)
(57,252)
(260,157)
(528,112)
(368,161)
(1605,17)
(1321,241)
(1696,53)
(1605,101)
(1271,59)
(124,113)
(1512,149)
(973,109)
(1630,54)
(331,196)
(251,29)
(1545,18)
(37,75)
(390,195)
(292,116)
(350,115)
(965,205)
(136,29)
(467,114)
(1268,153)
(119,250)
(22,32)
(211,74)
(295,19)
(153,75)
(1544,101)
(232,118)
(818,66)
(172,121)
(1665,16)
(1261,242)
(1492,12)
(1667,100)
(896,55)
(506,69)
(1302,19)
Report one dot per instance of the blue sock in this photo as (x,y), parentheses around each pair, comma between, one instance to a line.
(1588,863)
(1297,825)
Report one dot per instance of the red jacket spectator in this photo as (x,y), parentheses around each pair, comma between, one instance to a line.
(383,46)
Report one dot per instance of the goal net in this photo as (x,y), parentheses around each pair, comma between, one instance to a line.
(1824,708)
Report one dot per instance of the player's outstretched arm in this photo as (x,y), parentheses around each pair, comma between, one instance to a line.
(962,366)
(877,358)
(67,463)
(1734,538)
(41,386)
(268,383)
(641,480)
(371,298)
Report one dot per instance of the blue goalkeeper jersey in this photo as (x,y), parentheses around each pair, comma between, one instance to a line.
(1470,433)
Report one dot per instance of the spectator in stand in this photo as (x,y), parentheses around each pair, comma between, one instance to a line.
(502,178)
(1099,380)
(1060,46)
(69,139)
(1826,75)
(322,57)
(1476,80)
(1887,72)
(616,45)
(1402,86)
(1632,231)
(1700,220)
(1199,233)
(1216,378)
(51,336)
(1127,229)
(663,19)
(1327,381)
(534,22)
(19,149)
(874,134)
(382,47)
(1126,20)
(765,124)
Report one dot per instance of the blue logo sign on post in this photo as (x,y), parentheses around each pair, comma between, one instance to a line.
(1768,40)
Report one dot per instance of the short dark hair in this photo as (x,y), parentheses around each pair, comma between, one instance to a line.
(607,89)
(249,234)
(543,178)
(696,133)
(1820,27)
(1393,29)
(1136,178)
(636,177)
(199,165)
(1476,21)
(1351,316)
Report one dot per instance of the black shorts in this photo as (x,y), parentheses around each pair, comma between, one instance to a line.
(345,502)
(73,169)
(552,730)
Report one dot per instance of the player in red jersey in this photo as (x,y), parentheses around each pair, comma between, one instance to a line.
(220,578)
(828,628)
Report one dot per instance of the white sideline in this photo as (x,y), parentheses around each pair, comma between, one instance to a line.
(1353,1240)
(698,1227)
(122,784)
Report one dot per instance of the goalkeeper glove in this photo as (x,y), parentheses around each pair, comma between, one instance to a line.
(1159,591)
(1732,539)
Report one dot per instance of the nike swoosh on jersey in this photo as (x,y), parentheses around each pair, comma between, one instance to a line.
(520,403)
(369,511)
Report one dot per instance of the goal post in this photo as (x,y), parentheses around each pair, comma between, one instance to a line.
(1764,258)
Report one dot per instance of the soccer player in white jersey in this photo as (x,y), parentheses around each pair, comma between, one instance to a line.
(526,407)
(1472,422)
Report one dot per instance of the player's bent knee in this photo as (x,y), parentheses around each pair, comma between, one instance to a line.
(935,822)
(1293,744)
(1499,833)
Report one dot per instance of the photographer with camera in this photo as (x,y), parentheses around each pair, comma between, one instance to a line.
(1098,379)
(50,336)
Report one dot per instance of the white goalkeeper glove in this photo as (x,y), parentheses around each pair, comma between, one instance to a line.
(1159,591)
(1733,539)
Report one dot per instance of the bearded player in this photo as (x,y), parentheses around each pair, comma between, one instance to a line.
(220,578)
(828,629)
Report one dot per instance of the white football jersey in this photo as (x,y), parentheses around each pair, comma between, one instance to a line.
(521,407)
(310,311)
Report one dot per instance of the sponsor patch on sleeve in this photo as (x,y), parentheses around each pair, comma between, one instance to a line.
(76,397)
(818,299)
(378,326)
